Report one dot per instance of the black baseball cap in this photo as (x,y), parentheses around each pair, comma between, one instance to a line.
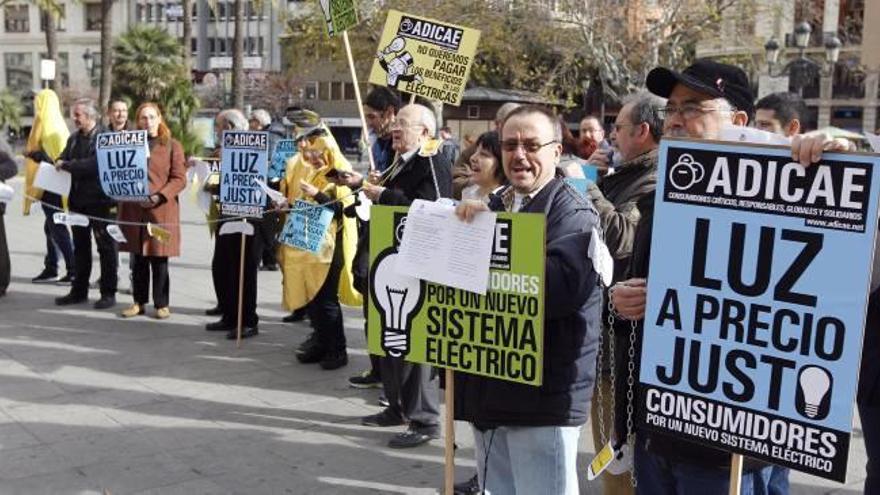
(708,77)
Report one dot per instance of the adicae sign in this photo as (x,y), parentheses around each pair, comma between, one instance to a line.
(499,335)
(425,57)
(760,273)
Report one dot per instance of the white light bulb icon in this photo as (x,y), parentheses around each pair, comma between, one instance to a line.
(815,383)
(399,298)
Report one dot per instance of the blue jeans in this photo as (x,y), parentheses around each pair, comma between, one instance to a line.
(528,460)
(870,416)
(656,475)
(58,242)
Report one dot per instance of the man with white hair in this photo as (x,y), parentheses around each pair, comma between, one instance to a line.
(412,389)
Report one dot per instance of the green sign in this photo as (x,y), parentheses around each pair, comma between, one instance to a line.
(499,335)
(341,15)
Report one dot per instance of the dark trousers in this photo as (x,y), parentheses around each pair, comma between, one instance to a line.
(58,243)
(141,267)
(413,392)
(225,268)
(324,311)
(269,230)
(870,416)
(5,264)
(108,253)
(375,361)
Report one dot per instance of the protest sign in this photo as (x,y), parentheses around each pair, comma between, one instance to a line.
(284,149)
(245,157)
(756,301)
(123,166)
(498,335)
(306,226)
(425,57)
(340,15)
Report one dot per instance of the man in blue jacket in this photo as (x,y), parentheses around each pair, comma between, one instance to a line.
(526,437)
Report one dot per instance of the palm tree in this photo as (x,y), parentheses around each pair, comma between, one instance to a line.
(10,110)
(238,57)
(106,53)
(148,60)
(187,35)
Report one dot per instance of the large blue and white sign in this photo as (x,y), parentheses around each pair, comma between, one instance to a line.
(284,150)
(123,167)
(245,157)
(760,273)
(306,225)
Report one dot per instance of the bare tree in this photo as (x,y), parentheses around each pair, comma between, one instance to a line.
(187,36)
(106,53)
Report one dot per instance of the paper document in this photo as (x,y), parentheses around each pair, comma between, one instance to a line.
(440,248)
(272,193)
(6,193)
(752,136)
(49,179)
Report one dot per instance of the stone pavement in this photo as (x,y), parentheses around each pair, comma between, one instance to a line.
(90,403)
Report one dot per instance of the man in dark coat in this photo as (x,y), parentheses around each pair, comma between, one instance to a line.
(8,169)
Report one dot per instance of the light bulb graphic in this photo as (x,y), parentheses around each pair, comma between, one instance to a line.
(815,382)
(399,298)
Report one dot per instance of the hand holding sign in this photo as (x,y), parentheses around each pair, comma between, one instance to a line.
(628,298)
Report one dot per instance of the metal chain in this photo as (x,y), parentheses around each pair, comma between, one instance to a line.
(603,438)
(612,364)
(630,382)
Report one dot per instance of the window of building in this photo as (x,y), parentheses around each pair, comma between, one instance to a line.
(60,21)
(62,67)
(473,112)
(323,90)
(349,91)
(19,72)
(336,90)
(93,18)
(310,90)
(16,19)
(849,118)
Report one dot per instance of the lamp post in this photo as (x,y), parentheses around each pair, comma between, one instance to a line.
(89,61)
(802,70)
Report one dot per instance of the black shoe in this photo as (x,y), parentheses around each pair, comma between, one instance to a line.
(469,487)
(215,311)
(412,438)
(246,333)
(309,344)
(66,280)
(367,379)
(45,277)
(383,419)
(105,302)
(219,326)
(334,360)
(70,299)
(298,315)
(383,401)
(314,354)
(269,268)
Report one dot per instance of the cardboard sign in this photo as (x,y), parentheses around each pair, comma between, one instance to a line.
(123,166)
(340,15)
(756,303)
(499,335)
(306,226)
(245,157)
(284,150)
(425,57)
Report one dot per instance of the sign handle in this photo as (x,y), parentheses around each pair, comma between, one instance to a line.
(736,469)
(357,96)
(450,432)
(240,290)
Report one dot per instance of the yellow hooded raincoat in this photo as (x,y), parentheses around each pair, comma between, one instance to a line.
(304,272)
(49,133)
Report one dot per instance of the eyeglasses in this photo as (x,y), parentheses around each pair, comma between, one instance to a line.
(688,111)
(530,147)
(400,124)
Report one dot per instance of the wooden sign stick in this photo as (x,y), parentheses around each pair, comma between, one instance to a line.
(736,469)
(240,290)
(450,432)
(357,96)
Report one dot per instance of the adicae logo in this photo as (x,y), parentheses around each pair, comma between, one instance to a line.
(406,26)
(686,172)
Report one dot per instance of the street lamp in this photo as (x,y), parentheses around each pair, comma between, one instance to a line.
(802,69)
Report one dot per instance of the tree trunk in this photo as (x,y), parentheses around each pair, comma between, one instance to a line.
(52,47)
(106,54)
(187,37)
(238,57)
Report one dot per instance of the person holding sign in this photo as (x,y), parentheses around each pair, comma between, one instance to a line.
(526,437)
(167,174)
(702,100)
(316,279)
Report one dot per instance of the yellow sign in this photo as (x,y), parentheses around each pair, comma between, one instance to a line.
(425,57)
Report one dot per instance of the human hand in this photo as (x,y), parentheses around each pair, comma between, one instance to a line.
(600,159)
(372,191)
(807,148)
(308,189)
(468,209)
(628,298)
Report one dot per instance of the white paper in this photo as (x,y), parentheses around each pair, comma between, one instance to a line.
(71,219)
(116,233)
(6,193)
(874,141)
(752,136)
(603,263)
(236,228)
(49,179)
(440,248)
(362,209)
(200,170)
(274,195)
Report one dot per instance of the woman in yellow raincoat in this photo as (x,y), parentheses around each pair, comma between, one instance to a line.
(46,141)
(320,281)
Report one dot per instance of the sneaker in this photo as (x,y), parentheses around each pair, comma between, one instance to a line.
(163,313)
(367,379)
(383,419)
(132,311)
(413,438)
(45,277)
(334,360)
(383,401)
(469,487)
(66,280)
(105,302)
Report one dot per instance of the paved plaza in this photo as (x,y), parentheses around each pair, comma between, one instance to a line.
(91,403)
